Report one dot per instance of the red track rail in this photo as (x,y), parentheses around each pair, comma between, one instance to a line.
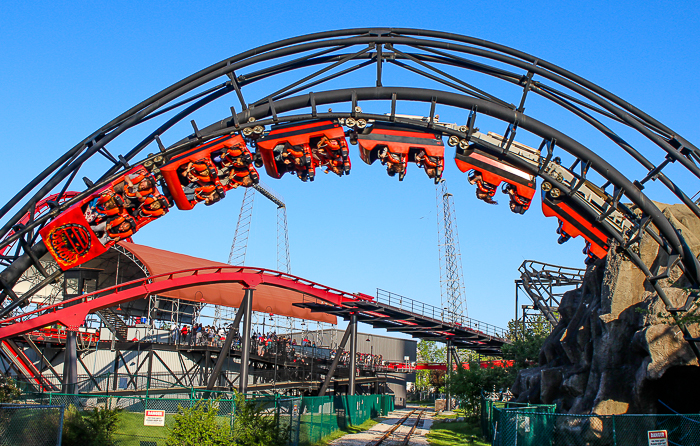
(72,312)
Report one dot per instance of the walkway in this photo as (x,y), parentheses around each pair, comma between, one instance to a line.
(374,433)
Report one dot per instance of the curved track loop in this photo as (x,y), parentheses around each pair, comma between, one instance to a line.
(445,62)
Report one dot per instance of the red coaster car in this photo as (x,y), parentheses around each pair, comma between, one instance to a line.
(301,147)
(396,145)
(88,228)
(204,173)
(488,172)
(573,224)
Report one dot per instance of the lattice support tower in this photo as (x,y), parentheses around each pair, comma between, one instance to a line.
(453,296)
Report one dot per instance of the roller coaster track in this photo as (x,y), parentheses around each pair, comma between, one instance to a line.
(539,280)
(384,439)
(427,54)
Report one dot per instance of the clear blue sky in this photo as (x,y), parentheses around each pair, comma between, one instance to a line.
(68,68)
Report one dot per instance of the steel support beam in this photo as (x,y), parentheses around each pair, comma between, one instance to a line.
(448,403)
(338,353)
(226,347)
(70,363)
(245,340)
(353,353)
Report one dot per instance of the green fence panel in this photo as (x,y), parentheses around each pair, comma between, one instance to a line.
(35,425)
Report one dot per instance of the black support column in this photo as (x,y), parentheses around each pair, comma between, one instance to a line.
(245,340)
(353,353)
(448,403)
(70,363)
(227,347)
(338,353)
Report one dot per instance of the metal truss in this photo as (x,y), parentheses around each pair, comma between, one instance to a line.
(545,284)
(436,69)
(452,292)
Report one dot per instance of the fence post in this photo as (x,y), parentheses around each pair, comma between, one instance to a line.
(614,432)
(60,424)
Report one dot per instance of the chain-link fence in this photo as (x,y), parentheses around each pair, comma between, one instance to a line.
(512,424)
(306,419)
(323,415)
(30,425)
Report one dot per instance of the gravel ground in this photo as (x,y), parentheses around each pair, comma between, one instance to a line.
(386,423)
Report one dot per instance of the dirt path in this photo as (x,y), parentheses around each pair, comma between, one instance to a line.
(386,423)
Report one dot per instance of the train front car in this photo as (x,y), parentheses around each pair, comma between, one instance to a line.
(115,212)
(204,173)
(395,145)
(572,212)
(487,172)
(301,147)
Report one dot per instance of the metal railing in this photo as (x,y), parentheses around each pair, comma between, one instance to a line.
(438,314)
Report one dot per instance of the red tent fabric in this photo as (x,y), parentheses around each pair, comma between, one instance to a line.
(266,299)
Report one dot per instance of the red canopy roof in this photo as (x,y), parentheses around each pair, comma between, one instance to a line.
(266,298)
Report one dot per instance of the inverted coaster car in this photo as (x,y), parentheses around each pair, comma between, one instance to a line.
(204,173)
(301,147)
(395,145)
(113,213)
(487,172)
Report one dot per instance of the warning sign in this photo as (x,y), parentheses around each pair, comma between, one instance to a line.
(154,418)
(657,438)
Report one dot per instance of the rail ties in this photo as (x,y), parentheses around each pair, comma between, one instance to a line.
(407,437)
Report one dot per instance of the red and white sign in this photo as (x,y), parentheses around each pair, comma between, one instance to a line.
(657,438)
(154,418)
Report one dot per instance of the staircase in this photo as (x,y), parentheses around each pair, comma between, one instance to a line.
(115,323)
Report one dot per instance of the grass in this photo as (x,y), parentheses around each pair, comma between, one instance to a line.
(349,430)
(447,434)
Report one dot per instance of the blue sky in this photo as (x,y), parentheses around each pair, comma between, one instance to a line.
(68,68)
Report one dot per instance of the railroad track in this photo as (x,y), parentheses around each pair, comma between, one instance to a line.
(384,440)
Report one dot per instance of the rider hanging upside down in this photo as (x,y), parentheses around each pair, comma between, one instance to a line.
(329,154)
(518,204)
(563,236)
(484,190)
(394,162)
(294,159)
(429,163)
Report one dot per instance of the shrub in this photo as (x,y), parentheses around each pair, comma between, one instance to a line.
(254,426)
(198,426)
(89,428)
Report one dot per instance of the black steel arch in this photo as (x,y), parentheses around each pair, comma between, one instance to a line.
(425,53)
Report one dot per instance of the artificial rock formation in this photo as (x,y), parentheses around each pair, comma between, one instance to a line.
(611,352)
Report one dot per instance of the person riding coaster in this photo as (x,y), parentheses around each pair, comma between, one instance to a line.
(117,228)
(330,154)
(430,164)
(295,159)
(108,204)
(590,257)
(394,162)
(518,204)
(153,206)
(233,157)
(484,190)
(563,236)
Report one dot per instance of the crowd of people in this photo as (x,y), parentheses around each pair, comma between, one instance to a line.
(263,344)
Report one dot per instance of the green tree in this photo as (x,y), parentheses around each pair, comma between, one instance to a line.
(90,428)
(254,425)
(430,351)
(9,391)
(199,425)
(523,350)
(526,343)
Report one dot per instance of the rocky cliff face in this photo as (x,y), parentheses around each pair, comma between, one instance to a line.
(611,353)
